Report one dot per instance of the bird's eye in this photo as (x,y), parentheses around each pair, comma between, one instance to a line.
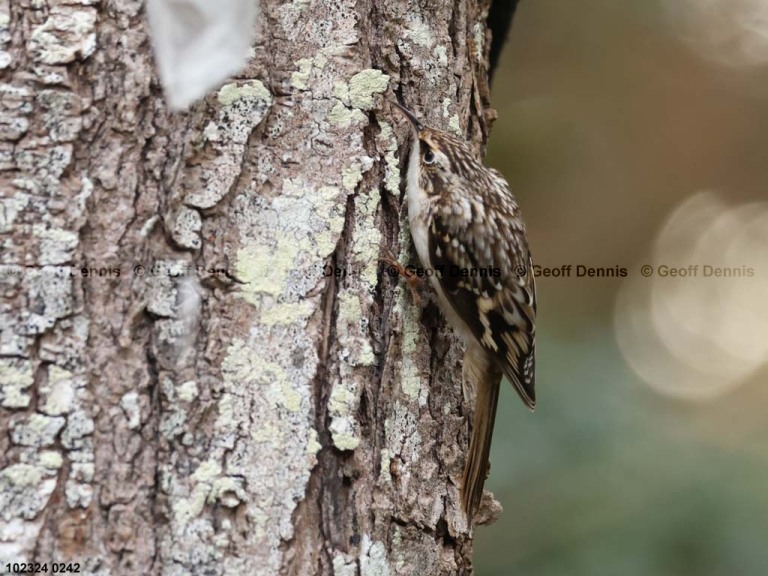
(429,157)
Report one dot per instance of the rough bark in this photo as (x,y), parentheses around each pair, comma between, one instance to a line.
(183,389)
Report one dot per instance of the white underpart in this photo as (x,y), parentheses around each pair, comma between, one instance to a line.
(418,218)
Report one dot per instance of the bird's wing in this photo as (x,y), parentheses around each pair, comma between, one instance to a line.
(487,278)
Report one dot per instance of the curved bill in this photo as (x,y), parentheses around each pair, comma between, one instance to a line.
(411,118)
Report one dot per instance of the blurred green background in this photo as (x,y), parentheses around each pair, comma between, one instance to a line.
(611,114)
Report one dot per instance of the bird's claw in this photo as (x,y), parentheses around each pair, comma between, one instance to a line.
(394,268)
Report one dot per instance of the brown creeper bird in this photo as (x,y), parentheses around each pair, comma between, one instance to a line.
(466,225)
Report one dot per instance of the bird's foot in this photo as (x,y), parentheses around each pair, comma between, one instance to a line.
(395,269)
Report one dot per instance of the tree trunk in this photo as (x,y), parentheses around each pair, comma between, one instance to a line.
(203,367)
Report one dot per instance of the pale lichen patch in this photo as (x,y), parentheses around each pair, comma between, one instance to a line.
(243,105)
(56,245)
(36,430)
(366,239)
(10,207)
(352,175)
(50,459)
(344,117)
(130,405)
(59,392)
(410,376)
(385,474)
(344,565)
(263,269)
(16,376)
(313,444)
(185,227)
(188,391)
(479,41)
(441,55)
(387,140)
(300,78)
(363,85)
(373,558)
(286,314)
(67,34)
(454,125)
(230,93)
(341,91)
(420,33)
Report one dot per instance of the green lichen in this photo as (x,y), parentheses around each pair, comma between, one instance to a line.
(363,85)
(207,471)
(313,444)
(291,399)
(236,366)
(239,368)
(346,441)
(50,459)
(341,91)
(300,78)
(15,377)
(351,176)
(286,314)
(185,509)
(326,203)
(264,269)
(321,60)
(22,475)
(343,117)
(351,313)
(342,399)
(387,139)
(225,420)
(229,491)
(232,92)
(269,433)
(367,237)
(36,430)
(410,378)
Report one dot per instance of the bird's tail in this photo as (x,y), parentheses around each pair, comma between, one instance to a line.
(482,374)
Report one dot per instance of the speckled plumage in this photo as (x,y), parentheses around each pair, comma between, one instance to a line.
(463,216)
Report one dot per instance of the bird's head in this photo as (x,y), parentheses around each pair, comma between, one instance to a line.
(440,154)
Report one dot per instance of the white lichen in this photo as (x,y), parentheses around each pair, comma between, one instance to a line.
(36,430)
(67,34)
(130,405)
(243,105)
(373,558)
(59,392)
(16,376)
